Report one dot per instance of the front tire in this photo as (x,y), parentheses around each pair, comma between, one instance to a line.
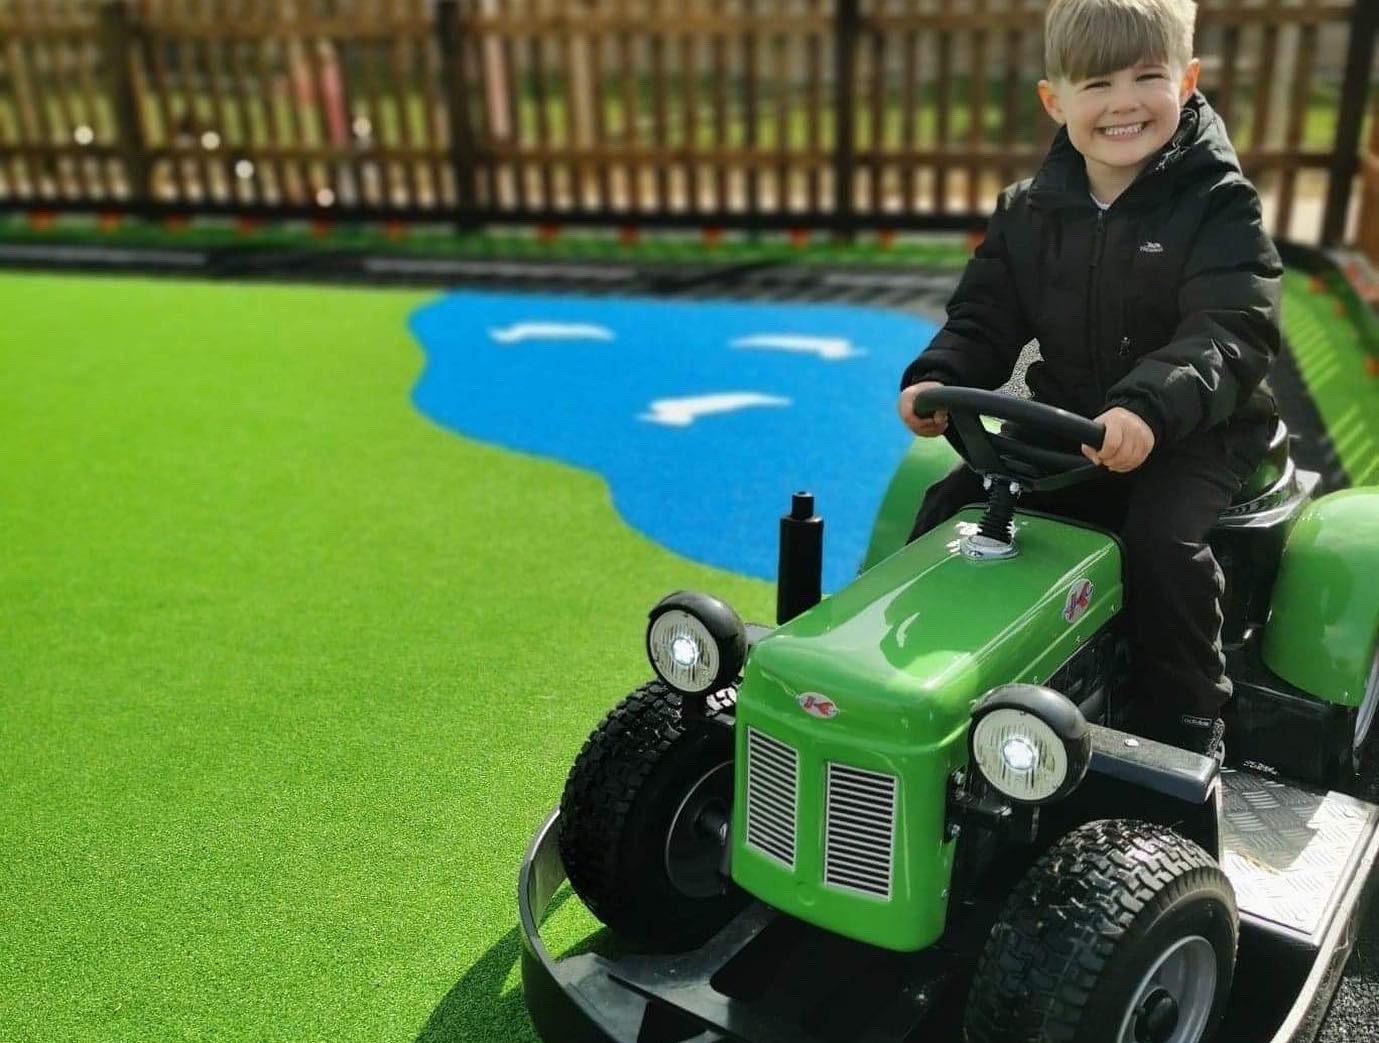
(635,822)
(1123,932)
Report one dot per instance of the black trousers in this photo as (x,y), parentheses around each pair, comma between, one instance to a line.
(1162,511)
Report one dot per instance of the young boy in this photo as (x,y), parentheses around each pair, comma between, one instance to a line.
(1137,258)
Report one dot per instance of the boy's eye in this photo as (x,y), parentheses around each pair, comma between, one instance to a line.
(1152,76)
(1092,85)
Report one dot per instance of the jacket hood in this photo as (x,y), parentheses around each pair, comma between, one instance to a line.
(1199,147)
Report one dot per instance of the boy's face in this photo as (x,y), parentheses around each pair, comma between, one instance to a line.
(1119,120)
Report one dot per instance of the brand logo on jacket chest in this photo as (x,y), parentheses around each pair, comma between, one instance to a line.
(1151,248)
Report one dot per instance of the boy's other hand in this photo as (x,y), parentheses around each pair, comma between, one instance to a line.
(1128,441)
(924,427)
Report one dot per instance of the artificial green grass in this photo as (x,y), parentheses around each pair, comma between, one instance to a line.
(288,675)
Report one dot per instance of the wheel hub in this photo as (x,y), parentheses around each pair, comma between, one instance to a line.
(1156,1018)
(1174,999)
(698,834)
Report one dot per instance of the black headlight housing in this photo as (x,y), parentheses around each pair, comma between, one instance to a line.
(1031,743)
(696,644)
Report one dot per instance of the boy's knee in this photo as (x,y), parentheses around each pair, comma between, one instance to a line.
(1153,550)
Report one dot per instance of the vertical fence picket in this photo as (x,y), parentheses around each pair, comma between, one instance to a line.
(689,133)
(876,139)
(781,94)
(118,43)
(630,123)
(576,95)
(943,112)
(908,87)
(751,114)
(1223,100)
(1015,84)
(455,56)
(814,110)
(845,39)
(1345,155)
(976,106)
(596,41)
(1368,228)
(1297,111)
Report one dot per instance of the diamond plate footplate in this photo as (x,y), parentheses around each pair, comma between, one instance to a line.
(1289,851)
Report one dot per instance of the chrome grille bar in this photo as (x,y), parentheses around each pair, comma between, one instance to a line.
(772,796)
(859,835)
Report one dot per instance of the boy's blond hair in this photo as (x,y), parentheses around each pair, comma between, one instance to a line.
(1085,38)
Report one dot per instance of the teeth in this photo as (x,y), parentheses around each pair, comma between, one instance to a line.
(1121,132)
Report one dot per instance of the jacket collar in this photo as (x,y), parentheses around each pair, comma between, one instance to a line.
(1199,143)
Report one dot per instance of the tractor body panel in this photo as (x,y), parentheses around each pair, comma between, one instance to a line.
(853,717)
(1324,613)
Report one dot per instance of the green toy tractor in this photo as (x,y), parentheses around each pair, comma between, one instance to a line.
(910,811)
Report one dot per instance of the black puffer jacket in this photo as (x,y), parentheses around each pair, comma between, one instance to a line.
(1166,304)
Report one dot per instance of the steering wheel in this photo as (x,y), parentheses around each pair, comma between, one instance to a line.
(1021,459)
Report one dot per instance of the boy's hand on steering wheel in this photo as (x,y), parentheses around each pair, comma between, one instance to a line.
(924,427)
(1129,441)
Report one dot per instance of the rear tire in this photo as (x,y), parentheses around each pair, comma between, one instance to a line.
(628,836)
(1123,931)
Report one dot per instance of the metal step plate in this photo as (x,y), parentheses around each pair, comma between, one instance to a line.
(1290,851)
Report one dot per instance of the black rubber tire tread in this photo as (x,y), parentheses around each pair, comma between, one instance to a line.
(1047,963)
(640,749)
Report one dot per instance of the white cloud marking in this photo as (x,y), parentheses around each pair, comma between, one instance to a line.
(520,331)
(831,349)
(681,412)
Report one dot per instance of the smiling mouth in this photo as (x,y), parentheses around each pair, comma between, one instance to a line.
(1128,130)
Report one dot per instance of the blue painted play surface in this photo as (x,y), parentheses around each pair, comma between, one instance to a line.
(703,416)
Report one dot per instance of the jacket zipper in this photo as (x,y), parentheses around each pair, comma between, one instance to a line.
(1098,242)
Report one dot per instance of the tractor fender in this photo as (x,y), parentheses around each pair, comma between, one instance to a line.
(926,461)
(1324,614)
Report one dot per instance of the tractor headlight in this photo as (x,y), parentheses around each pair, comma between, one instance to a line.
(695,642)
(1031,743)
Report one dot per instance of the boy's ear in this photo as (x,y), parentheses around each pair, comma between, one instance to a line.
(1049,97)
(1189,81)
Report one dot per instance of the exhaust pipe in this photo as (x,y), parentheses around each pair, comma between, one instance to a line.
(799,574)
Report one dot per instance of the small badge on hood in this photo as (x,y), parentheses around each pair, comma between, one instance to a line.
(817,705)
(1079,598)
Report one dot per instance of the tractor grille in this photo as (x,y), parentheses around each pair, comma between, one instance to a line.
(772,788)
(859,837)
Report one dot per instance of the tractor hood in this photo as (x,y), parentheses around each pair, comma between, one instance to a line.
(899,656)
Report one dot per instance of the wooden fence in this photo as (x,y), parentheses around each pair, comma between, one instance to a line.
(1369,195)
(761,113)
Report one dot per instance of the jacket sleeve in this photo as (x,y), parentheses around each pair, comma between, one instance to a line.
(980,342)
(1228,336)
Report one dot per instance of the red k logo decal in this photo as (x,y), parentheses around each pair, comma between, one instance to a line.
(1079,597)
(817,705)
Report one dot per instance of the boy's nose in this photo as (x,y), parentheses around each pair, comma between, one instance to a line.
(1123,99)
(1123,106)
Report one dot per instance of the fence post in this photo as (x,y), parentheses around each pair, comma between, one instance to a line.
(1364,24)
(117,39)
(846,31)
(463,157)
